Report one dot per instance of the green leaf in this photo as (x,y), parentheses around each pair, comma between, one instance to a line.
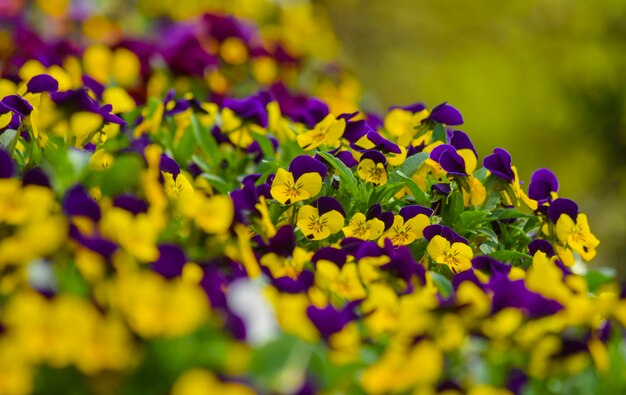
(123,175)
(409,166)
(345,174)
(217,182)
(474,219)
(420,196)
(598,277)
(265,143)
(206,141)
(185,147)
(443,284)
(509,255)
(8,139)
(439,133)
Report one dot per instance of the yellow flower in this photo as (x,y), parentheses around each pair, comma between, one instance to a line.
(457,256)
(200,381)
(342,282)
(405,232)
(577,235)
(318,227)
(328,131)
(373,172)
(361,228)
(286,190)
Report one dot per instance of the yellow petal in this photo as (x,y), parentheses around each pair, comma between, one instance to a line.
(437,248)
(310,184)
(334,220)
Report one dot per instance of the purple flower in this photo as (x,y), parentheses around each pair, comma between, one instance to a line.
(171,261)
(299,108)
(326,204)
(306,164)
(42,83)
(562,206)
(542,183)
(251,108)
(34,176)
(507,293)
(540,245)
(444,231)
(460,140)
(17,104)
(415,107)
(301,284)
(130,203)
(449,159)
(78,202)
(7,168)
(169,165)
(499,163)
(446,114)
(329,320)
(337,256)
(408,212)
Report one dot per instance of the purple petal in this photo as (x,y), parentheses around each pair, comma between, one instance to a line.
(331,254)
(250,108)
(441,189)
(446,114)
(171,261)
(347,158)
(42,83)
(499,163)
(7,168)
(452,163)
(328,320)
(294,286)
(283,242)
(93,85)
(17,104)
(131,204)
(78,202)
(326,204)
(460,140)
(375,156)
(35,176)
(467,275)
(541,245)
(415,107)
(444,231)
(490,265)
(542,183)
(169,165)
(562,206)
(408,212)
(306,164)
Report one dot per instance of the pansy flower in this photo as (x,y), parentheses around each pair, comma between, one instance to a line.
(302,181)
(322,219)
(372,168)
(543,186)
(572,228)
(363,228)
(407,226)
(328,132)
(499,163)
(446,114)
(456,255)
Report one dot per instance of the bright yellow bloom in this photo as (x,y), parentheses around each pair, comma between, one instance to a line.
(286,190)
(457,256)
(199,382)
(403,233)
(342,282)
(373,172)
(318,227)
(364,229)
(577,235)
(328,131)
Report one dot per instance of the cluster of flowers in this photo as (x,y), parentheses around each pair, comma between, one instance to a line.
(267,244)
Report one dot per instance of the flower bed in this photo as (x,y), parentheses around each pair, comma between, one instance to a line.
(189,241)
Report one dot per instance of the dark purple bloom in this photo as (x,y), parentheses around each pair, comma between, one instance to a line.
(467,275)
(347,158)
(490,265)
(283,242)
(446,114)
(408,212)
(449,159)
(540,245)
(251,108)
(299,108)
(444,231)
(17,104)
(441,189)
(97,244)
(542,183)
(289,285)
(329,320)
(499,163)
(337,256)
(415,107)
(7,168)
(507,293)
(130,203)
(562,206)
(375,156)
(34,176)
(403,264)
(42,83)
(169,165)
(460,140)
(306,164)
(326,204)
(171,261)
(78,202)
(93,85)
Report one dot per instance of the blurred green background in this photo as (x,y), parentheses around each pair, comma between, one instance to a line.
(544,79)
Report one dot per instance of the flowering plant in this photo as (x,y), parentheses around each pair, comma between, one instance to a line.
(186,242)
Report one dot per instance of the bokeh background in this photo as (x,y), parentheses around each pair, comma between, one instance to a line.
(544,79)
